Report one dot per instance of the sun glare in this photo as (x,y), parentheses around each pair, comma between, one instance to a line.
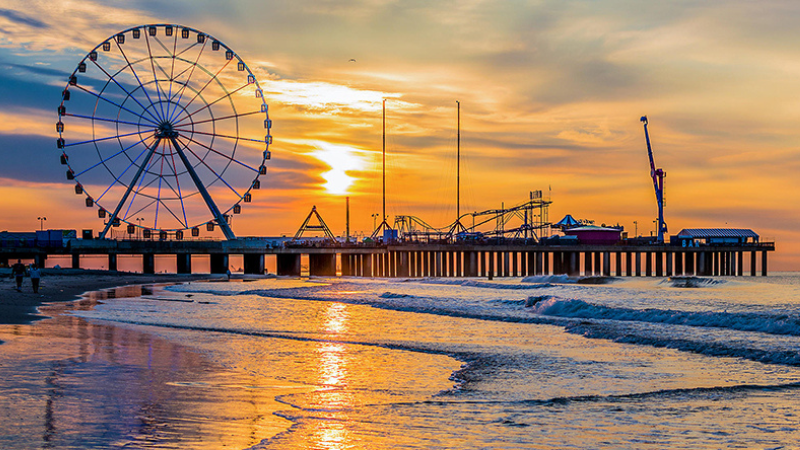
(341,159)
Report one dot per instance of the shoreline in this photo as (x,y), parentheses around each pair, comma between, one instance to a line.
(63,285)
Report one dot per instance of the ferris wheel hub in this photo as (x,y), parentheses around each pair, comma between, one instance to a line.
(165,130)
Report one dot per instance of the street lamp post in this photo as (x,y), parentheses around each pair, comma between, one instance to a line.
(375,221)
(636,225)
(139,222)
(41,222)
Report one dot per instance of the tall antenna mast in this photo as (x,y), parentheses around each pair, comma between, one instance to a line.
(458,227)
(383,218)
(458,165)
(384,224)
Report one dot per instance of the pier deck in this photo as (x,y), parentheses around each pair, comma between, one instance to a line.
(429,260)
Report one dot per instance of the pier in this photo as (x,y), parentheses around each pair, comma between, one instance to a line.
(410,260)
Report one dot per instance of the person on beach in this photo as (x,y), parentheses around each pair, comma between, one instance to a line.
(35,276)
(18,271)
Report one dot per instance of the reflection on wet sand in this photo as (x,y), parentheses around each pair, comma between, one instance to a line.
(334,362)
(99,386)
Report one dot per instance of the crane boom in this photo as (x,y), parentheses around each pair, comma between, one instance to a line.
(658,184)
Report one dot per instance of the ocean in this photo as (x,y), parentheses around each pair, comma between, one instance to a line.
(347,363)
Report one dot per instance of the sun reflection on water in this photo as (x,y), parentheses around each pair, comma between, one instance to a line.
(332,373)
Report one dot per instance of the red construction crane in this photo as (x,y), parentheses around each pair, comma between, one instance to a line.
(658,183)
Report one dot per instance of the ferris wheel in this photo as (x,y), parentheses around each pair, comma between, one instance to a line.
(164,128)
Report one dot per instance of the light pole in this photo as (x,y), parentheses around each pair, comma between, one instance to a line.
(375,221)
(139,222)
(41,222)
(636,228)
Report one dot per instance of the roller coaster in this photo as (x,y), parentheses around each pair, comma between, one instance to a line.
(527,221)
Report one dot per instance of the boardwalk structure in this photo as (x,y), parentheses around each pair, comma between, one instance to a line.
(510,259)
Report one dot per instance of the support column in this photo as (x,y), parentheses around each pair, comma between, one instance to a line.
(288,265)
(587,264)
(184,262)
(323,265)
(220,263)
(574,264)
(597,268)
(638,264)
(546,263)
(148,263)
(451,264)
(112,261)
(254,263)
(704,264)
(659,264)
(763,263)
(506,265)
(648,264)
(753,263)
(367,266)
(679,263)
(473,264)
(403,266)
(514,264)
(40,258)
(628,264)
(618,263)
(669,263)
(607,264)
(523,262)
(690,263)
(491,265)
(540,267)
(76,261)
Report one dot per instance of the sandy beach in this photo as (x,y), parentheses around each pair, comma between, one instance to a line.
(59,285)
(72,383)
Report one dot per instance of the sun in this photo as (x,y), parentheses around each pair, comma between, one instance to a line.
(341,159)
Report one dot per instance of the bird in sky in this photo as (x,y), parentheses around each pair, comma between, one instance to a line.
(352,60)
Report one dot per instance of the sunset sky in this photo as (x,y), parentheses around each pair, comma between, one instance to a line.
(551,94)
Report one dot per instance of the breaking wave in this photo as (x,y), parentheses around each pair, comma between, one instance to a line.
(771,323)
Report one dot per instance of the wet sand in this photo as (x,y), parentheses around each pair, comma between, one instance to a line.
(72,383)
(58,285)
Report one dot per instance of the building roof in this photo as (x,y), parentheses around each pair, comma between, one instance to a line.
(567,221)
(592,228)
(701,233)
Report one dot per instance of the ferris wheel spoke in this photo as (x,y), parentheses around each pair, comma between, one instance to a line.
(103,161)
(160,179)
(155,76)
(117,179)
(189,78)
(116,136)
(236,138)
(208,105)
(178,184)
(136,213)
(147,158)
(102,119)
(214,77)
(114,103)
(113,78)
(135,75)
(219,177)
(221,154)
(172,73)
(214,119)
(183,223)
